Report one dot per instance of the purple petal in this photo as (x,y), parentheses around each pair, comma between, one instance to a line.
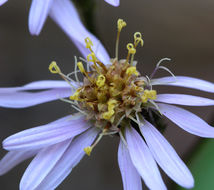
(166,156)
(69,160)
(38,13)
(113,2)
(65,15)
(13,158)
(68,118)
(143,160)
(27,99)
(187,82)
(42,164)
(183,99)
(39,85)
(187,121)
(46,135)
(130,176)
(2,2)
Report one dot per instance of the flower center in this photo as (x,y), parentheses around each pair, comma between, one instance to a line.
(110,94)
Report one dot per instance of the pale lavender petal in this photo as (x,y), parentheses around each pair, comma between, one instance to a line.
(65,15)
(2,2)
(27,99)
(13,158)
(39,85)
(187,82)
(166,156)
(130,176)
(46,135)
(38,13)
(42,164)
(113,2)
(143,160)
(187,120)
(183,99)
(69,160)
(67,118)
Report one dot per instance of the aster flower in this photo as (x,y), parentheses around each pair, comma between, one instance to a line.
(39,12)
(113,99)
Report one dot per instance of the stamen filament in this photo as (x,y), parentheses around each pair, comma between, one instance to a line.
(120,24)
(132,59)
(123,139)
(89,149)
(117,45)
(75,70)
(88,64)
(53,67)
(118,123)
(158,66)
(79,110)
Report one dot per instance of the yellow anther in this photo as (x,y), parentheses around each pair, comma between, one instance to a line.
(53,67)
(88,150)
(89,43)
(132,71)
(131,48)
(137,35)
(138,39)
(152,95)
(138,89)
(148,94)
(120,24)
(100,80)
(75,96)
(111,104)
(144,99)
(92,57)
(107,115)
(81,68)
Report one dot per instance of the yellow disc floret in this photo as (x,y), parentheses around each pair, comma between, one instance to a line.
(148,94)
(131,48)
(138,39)
(75,96)
(81,68)
(120,24)
(100,81)
(88,150)
(91,57)
(107,115)
(132,71)
(111,106)
(53,67)
(89,44)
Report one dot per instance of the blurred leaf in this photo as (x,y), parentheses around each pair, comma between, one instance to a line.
(201,164)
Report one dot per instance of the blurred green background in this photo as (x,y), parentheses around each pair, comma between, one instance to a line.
(182,30)
(201,164)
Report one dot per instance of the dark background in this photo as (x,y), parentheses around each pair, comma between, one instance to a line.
(182,30)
